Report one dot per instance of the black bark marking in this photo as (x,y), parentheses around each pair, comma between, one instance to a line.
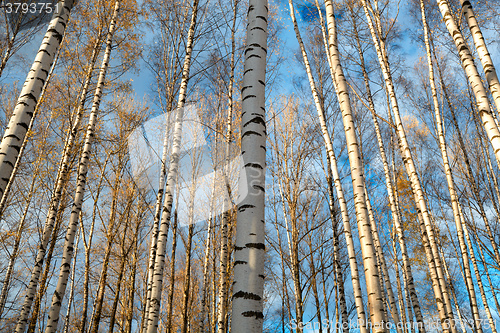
(248,96)
(250,133)
(254,165)
(244,207)
(240,262)
(257,120)
(256,314)
(23,125)
(245,295)
(258,246)
(260,188)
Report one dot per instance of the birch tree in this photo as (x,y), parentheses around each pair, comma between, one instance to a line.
(154,306)
(249,247)
(15,133)
(55,308)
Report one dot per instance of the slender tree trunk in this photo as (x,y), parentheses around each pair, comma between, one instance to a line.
(81,182)
(478,277)
(249,250)
(221,327)
(17,128)
(449,178)
(434,261)
(117,294)
(61,181)
(171,288)
(154,307)
(46,272)
(88,247)
(208,242)
(187,281)
(336,178)
(375,299)
(339,275)
(473,76)
(17,243)
(156,222)
(408,275)
(383,266)
(72,289)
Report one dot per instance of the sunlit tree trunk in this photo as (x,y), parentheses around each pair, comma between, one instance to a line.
(449,178)
(171,287)
(482,50)
(81,183)
(478,275)
(61,181)
(17,128)
(222,306)
(473,76)
(72,289)
(249,248)
(336,178)
(375,300)
(432,254)
(154,306)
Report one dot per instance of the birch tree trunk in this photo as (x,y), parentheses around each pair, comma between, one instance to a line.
(338,186)
(383,267)
(88,246)
(154,306)
(375,300)
(61,181)
(17,243)
(434,261)
(482,50)
(478,276)
(72,289)
(449,178)
(473,76)
(171,287)
(17,128)
(156,222)
(81,182)
(249,248)
(407,271)
(5,194)
(222,306)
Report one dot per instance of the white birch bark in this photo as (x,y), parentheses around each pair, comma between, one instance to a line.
(62,282)
(17,128)
(5,195)
(449,178)
(222,306)
(407,271)
(474,78)
(478,275)
(157,216)
(358,297)
(72,289)
(249,247)
(482,50)
(154,306)
(375,300)
(383,265)
(434,261)
(55,200)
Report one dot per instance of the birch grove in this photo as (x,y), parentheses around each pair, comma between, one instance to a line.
(249,166)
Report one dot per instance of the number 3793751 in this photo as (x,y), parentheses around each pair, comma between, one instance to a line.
(32,8)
